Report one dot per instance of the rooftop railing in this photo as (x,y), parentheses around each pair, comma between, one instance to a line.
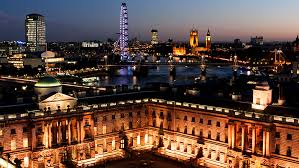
(212,109)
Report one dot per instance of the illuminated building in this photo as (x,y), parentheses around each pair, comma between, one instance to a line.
(96,130)
(155,37)
(35,32)
(208,41)
(17,60)
(179,51)
(123,32)
(194,38)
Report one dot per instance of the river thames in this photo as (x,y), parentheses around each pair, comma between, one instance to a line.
(160,74)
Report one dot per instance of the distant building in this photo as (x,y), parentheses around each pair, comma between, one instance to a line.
(179,51)
(35,32)
(208,40)
(194,38)
(155,37)
(296,45)
(257,40)
(237,43)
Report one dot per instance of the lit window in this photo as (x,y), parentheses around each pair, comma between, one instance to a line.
(1,132)
(25,142)
(13,145)
(104,129)
(113,144)
(138,140)
(26,161)
(122,144)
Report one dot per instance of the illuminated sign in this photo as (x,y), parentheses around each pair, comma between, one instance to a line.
(90,44)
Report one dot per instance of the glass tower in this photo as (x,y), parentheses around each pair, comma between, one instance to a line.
(35,32)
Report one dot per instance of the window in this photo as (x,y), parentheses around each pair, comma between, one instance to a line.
(113,117)
(277,134)
(218,124)
(201,132)
(209,122)
(201,121)
(122,115)
(130,125)
(193,119)
(218,136)
(185,130)
(226,125)
(25,142)
(138,113)
(130,114)
(122,126)
(104,118)
(161,114)
(1,132)
(154,114)
(209,135)
(154,123)
(178,129)
(258,101)
(25,129)
(26,161)
(13,131)
(193,131)
(146,112)
(289,151)
(113,144)
(13,145)
(122,144)
(277,149)
(289,136)
(185,118)
(226,138)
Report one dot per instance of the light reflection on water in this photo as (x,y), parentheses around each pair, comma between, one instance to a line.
(184,75)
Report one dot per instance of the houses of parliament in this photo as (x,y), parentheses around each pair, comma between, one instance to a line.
(87,131)
(195,49)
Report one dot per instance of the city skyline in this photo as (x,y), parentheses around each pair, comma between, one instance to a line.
(99,20)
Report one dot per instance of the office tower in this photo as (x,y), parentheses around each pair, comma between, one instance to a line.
(35,32)
(155,38)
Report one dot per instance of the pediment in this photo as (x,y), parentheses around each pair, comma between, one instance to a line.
(58,97)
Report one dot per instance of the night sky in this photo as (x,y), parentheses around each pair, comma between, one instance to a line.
(76,20)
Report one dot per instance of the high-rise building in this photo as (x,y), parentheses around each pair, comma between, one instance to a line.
(208,40)
(123,32)
(194,38)
(155,37)
(35,32)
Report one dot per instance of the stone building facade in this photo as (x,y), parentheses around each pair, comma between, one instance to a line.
(211,136)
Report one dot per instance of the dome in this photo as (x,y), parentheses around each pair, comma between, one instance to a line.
(47,81)
(48,54)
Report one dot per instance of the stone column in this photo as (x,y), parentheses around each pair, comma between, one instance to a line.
(46,135)
(243,138)
(229,135)
(92,127)
(50,135)
(33,138)
(69,131)
(264,142)
(59,137)
(78,131)
(253,139)
(82,131)
(233,136)
(268,142)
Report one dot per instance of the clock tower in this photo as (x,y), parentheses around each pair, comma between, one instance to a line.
(208,40)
